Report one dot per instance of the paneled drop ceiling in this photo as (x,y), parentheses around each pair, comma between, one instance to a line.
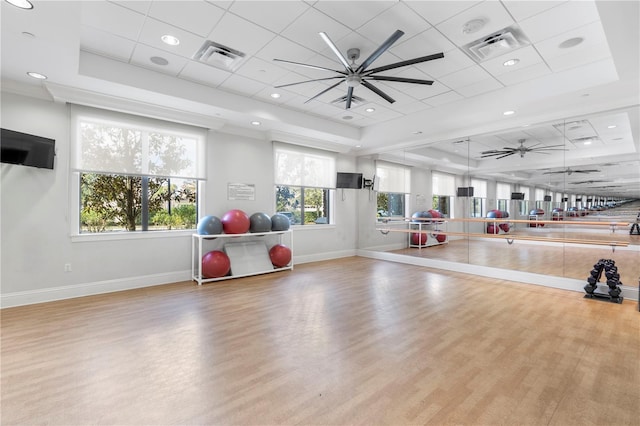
(570,60)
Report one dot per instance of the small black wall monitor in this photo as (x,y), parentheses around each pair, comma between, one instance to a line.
(465,191)
(517,195)
(26,150)
(349,180)
(565,199)
(589,200)
(547,198)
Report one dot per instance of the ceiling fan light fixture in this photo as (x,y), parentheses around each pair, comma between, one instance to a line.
(353,80)
(473,26)
(510,62)
(170,40)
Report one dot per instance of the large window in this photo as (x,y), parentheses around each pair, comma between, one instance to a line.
(479,197)
(503,195)
(395,184)
(135,173)
(303,178)
(444,189)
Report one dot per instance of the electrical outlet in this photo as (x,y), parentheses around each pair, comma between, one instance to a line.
(67,267)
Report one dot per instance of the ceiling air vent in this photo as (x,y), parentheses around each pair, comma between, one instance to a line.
(497,44)
(355,101)
(219,56)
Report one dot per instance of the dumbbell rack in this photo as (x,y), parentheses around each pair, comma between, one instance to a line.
(608,267)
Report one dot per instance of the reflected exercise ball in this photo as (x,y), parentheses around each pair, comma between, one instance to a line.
(418,239)
(215,264)
(280,222)
(441,238)
(235,222)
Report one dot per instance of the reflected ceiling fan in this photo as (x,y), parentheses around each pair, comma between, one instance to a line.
(570,171)
(522,150)
(583,182)
(354,75)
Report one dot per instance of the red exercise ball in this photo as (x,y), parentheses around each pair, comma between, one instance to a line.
(441,238)
(491,229)
(215,264)
(280,255)
(418,239)
(504,227)
(235,222)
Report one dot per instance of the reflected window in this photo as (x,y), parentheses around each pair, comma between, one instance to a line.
(391,204)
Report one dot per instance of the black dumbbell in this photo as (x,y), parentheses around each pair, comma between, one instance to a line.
(615,292)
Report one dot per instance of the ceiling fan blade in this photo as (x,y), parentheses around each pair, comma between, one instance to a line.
(492,153)
(587,171)
(315,67)
(322,93)
(335,50)
(349,96)
(400,79)
(505,155)
(378,92)
(553,173)
(380,50)
(405,63)
(308,81)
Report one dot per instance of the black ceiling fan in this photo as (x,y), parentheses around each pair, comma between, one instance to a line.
(355,75)
(570,171)
(584,182)
(522,150)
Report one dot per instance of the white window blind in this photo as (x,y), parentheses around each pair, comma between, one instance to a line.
(526,191)
(479,188)
(503,191)
(539,194)
(300,166)
(394,178)
(443,184)
(118,143)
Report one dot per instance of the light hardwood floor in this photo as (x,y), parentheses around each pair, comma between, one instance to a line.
(350,341)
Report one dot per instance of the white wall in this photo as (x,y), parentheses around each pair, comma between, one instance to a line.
(36,231)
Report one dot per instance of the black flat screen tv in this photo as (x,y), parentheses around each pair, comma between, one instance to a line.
(465,191)
(517,196)
(547,198)
(349,180)
(26,150)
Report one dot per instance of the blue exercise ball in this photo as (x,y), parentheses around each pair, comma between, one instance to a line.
(421,215)
(259,222)
(209,225)
(280,222)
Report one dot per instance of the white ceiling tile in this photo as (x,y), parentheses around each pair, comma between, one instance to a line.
(480,87)
(307,89)
(142,56)
(524,74)
(523,9)
(410,107)
(112,18)
(594,47)
(240,34)
(494,15)
(399,96)
(99,42)
(282,48)
(206,74)
(260,70)
(464,77)
(222,4)
(527,56)
(140,6)
(305,29)
(435,89)
(444,98)
(560,19)
(426,43)
(197,17)
(242,85)
(454,60)
(153,30)
(385,24)
(435,12)
(357,41)
(272,15)
(265,95)
(353,14)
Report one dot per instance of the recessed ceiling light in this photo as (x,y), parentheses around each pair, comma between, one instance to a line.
(37,75)
(510,62)
(570,42)
(275,95)
(508,113)
(472,26)
(22,4)
(159,60)
(370,109)
(613,126)
(417,132)
(347,117)
(170,40)
(587,142)
(256,123)
(618,139)
(358,146)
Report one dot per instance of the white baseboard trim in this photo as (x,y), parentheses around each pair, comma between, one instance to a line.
(323,256)
(572,284)
(51,294)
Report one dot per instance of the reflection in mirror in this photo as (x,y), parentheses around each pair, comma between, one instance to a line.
(574,177)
